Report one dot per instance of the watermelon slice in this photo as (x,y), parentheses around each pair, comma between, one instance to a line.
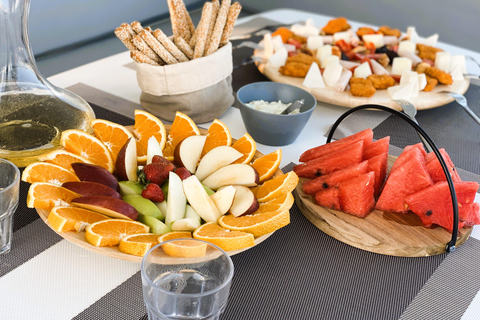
(379,165)
(474,215)
(329,198)
(434,204)
(334,161)
(409,177)
(357,195)
(375,148)
(334,178)
(407,153)
(365,135)
(435,168)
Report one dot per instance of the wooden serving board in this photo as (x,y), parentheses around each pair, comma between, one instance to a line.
(380,232)
(113,252)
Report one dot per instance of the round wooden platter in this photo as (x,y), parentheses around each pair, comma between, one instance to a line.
(424,100)
(380,232)
(113,252)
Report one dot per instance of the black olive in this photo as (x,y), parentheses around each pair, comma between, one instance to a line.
(383,49)
(345,57)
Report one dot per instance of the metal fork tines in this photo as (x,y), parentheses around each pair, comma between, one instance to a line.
(410,110)
(461,100)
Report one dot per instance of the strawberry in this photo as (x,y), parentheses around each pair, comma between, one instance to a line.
(183,173)
(156,172)
(153,192)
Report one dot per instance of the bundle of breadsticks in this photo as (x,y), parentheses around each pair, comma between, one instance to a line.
(188,42)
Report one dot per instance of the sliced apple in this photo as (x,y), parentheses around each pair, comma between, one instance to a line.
(162,206)
(153,149)
(176,200)
(130,187)
(185,224)
(88,188)
(108,206)
(199,199)
(223,198)
(187,153)
(233,174)
(94,173)
(216,159)
(144,206)
(156,226)
(244,202)
(126,164)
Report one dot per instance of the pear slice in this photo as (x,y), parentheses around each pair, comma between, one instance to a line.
(130,187)
(143,206)
(187,153)
(233,174)
(176,200)
(215,159)
(244,202)
(199,199)
(156,226)
(223,198)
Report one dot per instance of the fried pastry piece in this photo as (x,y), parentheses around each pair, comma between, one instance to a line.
(300,39)
(427,52)
(303,58)
(441,76)
(364,30)
(336,51)
(431,83)
(361,87)
(336,25)
(387,31)
(295,69)
(283,32)
(421,67)
(381,82)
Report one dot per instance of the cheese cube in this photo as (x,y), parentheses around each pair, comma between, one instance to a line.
(363,70)
(406,46)
(401,91)
(344,35)
(422,81)
(443,60)
(410,77)
(314,78)
(327,59)
(458,60)
(325,50)
(289,47)
(314,42)
(332,73)
(401,64)
(457,74)
(412,34)
(376,39)
(277,43)
(267,46)
(278,59)
(431,41)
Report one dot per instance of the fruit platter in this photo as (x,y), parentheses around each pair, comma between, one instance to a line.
(120,190)
(347,67)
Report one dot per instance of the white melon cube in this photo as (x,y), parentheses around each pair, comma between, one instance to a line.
(314,78)
(443,60)
(314,42)
(267,46)
(327,39)
(278,59)
(457,74)
(332,73)
(327,59)
(325,50)
(376,39)
(289,47)
(401,64)
(430,41)
(362,71)
(412,34)
(344,35)
(390,40)
(422,81)
(277,43)
(406,46)
(401,91)
(410,77)
(458,61)
(305,30)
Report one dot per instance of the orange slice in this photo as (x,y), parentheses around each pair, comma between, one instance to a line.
(174,235)
(218,135)
(247,146)
(64,219)
(62,158)
(87,146)
(146,126)
(109,232)
(268,164)
(282,203)
(275,187)
(225,239)
(47,172)
(44,195)
(182,248)
(137,244)
(182,127)
(256,224)
(112,135)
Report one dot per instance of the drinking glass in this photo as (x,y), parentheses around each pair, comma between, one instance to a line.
(186,279)
(9,187)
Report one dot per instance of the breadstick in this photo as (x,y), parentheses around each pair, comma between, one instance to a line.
(158,47)
(202,30)
(216,8)
(124,36)
(173,18)
(231,19)
(136,26)
(143,47)
(219,26)
(181,25)
(170,46)
(128,28)
(188,19)
(184,46)
(140,57)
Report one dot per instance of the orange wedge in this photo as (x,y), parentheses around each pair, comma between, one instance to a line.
(44,195)
(225,239)
(247,146)
(87,146)
(276,187)
(181,248)
(268,164)
(109,232)
(137,244)
(146,126)
(256,224)
(281,203)
(218,135)
(62,158)
(64,219)
(174,235)
(112,135)
(182,127)
(47,172)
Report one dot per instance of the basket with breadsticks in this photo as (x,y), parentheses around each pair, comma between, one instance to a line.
(189,71)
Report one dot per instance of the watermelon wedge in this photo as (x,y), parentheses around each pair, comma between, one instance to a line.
(407,178)
(334,178)
(474,215)
(329,198)
(435,168)
(313,153)
(379,165)
(375,148)
(357,195)
(334,161)
(407,153)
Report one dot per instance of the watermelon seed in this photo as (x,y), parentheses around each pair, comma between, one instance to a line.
(429,213)
(325,185)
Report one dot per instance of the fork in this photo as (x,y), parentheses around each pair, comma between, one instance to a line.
(461,100)
(410,110)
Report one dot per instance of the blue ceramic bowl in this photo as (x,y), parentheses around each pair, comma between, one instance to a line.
(274,129)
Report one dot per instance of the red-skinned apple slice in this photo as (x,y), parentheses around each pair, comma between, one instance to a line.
(232,174)
(215,159)
(223,198)
(88,188)
(199,199)
(94,173)
(126,163)
(187,153)
(244,202)
(108,206)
